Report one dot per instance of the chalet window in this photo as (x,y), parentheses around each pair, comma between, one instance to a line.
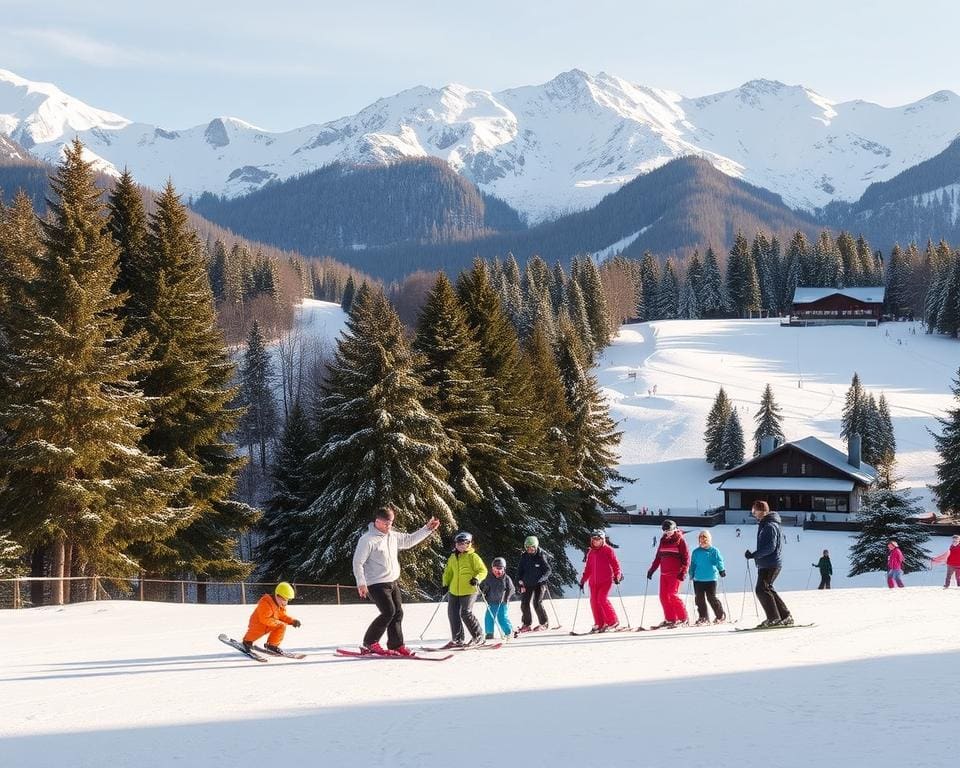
(785,467)
(803,469)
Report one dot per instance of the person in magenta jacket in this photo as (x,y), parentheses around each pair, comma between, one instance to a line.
(601,572)
(952,558)
(894,565)
(673,560)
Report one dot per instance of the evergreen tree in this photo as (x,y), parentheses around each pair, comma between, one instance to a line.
(19,244)
(190,383)
(669,293)
(794,272)
(885,515)
(75,477)
(853,418)
(639,300)
(711,295)
(947,488)
(760,254)
(695,272)
(688,309)
(898,283)
(595,303)
(378,445)
(886,445)
(871,436)
(775,268)
(716,424)
(259,420)
(947,294)
(282,534)
(769,421)
(650,286)
(218,272)
(743,288)
(577,312)
(127,224)
(558,287)
(869,271)
(732,448)
(348,293)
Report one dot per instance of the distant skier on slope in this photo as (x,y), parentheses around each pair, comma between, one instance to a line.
(826,569)
(673,560)
(601,572)
(270,618)
(894,565)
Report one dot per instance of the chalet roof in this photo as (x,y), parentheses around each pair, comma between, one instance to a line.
(807,484)
(812,446)
(870,295)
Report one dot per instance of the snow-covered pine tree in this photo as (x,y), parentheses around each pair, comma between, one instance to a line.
(650,282)
(258,424)
(695,271)
(19,243)
(897,297)
(760,254)
(871,433)
(947,487)
(769,420)
(887,444)
(669,292)
(869,267)
(127,223)
(743,288)
(577,312)
(947,291)
(75,476)
(282,533)
(711,296)
(217,271)
(732,448)
(853,416)
(775,267)
(11,558)
(595,303)
(688,309)
(558,287)
(716,423)
(377,445)
(885,515)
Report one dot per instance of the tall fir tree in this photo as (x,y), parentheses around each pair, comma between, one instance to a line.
(127,224)
(669,293)
(349,290)
(191,385)
(258,424)
(595,303)
(282,532)
(378,445)
(732,448)
(769,421)
(716,423)
(885,515)
(711,296)
(897,297)
(743,288)
(853,419)
(887,444)
(650,286)
(76,477)
(217,270)
(947,488)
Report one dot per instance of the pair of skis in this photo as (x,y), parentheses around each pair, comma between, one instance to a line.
(520,633)
(255,651)
(603,631)
(351,654)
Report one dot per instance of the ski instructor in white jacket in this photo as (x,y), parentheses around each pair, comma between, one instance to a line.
(376,567)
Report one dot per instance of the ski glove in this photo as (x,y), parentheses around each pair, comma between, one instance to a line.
(474,582)
(617,579)
(723,574)
(649,575)
(748,554)
(581,586)
(295,623)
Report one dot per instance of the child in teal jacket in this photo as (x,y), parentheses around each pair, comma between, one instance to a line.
(706,566)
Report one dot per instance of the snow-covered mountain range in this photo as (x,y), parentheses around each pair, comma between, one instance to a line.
(545,149)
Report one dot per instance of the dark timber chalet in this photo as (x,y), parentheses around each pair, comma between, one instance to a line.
(798,479)
(837,306)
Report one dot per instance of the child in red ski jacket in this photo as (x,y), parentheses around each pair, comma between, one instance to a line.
(894,565)
(601,572)
(673,560)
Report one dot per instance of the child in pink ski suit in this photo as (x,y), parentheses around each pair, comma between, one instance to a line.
(894,565)
(601,572)
(673,559)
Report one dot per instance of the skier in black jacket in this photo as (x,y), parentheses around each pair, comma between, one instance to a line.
(532,574)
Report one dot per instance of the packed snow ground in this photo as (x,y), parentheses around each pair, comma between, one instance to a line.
(149,685)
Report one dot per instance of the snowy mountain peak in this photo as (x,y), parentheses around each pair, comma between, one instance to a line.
(545,149)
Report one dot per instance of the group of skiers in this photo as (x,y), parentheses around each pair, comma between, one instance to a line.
(376,568)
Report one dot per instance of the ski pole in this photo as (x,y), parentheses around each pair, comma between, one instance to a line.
(726,602)
(576,611)
(623,606)
(643,606)
(550,598)
(496,629)
(809,576)
(756,609)
(435,610)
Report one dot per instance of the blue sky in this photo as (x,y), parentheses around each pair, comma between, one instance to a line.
(291,62)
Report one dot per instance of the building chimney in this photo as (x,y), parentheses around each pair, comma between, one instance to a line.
(853,450)
(767,444)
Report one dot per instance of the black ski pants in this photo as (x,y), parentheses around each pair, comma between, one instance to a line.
(704,591)
(535,595)
(824,581)
(772,605)
(460,612)
(388,601)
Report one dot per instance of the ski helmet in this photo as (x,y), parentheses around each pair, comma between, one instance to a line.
(463,538)
(531,541)
(498,562)
(669,525)
(598,533)
(284,590)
